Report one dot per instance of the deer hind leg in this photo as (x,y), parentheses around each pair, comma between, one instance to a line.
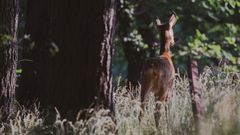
(167,112)
(157,112)
(163,97)
(147,84)
(146,87)
(162,114)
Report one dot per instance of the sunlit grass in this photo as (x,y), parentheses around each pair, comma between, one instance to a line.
(220,103)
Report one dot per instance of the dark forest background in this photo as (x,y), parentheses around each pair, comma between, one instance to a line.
(69,54)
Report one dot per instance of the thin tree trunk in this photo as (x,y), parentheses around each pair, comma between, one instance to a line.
(195,90)
(9,10)
(135,61)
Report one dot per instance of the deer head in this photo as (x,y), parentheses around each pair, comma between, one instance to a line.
(166,32)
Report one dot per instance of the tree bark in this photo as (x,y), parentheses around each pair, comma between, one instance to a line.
(135,61)
(9,10)
(37,51)
(106,53)
(195,90)
(80,71)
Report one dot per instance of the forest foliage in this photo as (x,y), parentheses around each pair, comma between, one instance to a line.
(208,30)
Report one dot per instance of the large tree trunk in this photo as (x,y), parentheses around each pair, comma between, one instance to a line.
(72,78)
(36,52)
(9,10)
(106,53)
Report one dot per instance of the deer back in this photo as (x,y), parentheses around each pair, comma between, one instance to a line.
(158,72)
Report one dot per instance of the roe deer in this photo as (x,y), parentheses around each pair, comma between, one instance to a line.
(158,72)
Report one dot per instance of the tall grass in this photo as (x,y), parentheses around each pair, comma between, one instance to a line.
(220,103)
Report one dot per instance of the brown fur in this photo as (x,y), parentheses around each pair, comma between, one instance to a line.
(158,72)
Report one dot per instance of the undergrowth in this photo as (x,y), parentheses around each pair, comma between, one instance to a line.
(220,105)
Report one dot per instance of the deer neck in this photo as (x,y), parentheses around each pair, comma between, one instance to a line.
(165,43)
(165,49)
(166,53)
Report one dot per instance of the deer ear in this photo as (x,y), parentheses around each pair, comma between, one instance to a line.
(158,24)
(173,19)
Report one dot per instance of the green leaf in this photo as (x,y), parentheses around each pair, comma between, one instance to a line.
(231,40)
(5,39)
(19,71)
(232,3)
